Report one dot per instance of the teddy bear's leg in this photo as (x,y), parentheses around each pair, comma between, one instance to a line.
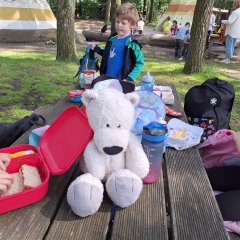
(123,187)
(85,195)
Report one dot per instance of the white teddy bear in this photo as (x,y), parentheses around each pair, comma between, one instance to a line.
(114,155)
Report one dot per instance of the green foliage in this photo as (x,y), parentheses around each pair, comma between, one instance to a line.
(53,6)
(91,9)
(223,4)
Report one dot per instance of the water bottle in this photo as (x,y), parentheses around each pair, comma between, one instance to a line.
(147,82)
(153,142)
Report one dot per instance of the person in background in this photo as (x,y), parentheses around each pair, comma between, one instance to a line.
(182,32)
(210,27)
(140,25)
(232,32)
(6,180)
(122,56)
(174,28)
(167,26)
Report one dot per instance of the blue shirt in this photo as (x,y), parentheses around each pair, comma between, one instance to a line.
(115,58)
(182,32)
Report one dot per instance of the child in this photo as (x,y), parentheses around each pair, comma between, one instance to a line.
(180,35)
(174,28)
(122,56)
(140,25)
(6,179)
(167,26)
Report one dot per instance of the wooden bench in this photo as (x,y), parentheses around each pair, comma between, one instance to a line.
(179,206)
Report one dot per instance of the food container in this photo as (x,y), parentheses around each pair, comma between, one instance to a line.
(60,146)
(75,95)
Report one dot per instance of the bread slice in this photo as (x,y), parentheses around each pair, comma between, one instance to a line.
(17,185)
(31,177)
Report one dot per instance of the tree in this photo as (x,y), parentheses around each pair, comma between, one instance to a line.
(114,5)
(66,48)
(107,11)
(199,30)
(150,18)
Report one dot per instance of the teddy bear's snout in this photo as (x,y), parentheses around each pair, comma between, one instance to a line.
(114,150)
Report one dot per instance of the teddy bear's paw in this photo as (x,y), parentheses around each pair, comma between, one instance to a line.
(124,187)
(85,195)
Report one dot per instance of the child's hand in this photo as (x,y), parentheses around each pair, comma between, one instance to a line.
(93,45)
(4,160)
(6,181)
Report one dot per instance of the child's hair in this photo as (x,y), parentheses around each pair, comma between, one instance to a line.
(168,18)
(128,12)
(175,21)
(187,23)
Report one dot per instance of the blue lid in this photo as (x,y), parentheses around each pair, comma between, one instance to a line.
(154,132)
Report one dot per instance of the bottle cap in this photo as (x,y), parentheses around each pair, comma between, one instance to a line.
(148,78)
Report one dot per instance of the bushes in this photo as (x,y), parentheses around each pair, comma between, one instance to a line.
(91,9)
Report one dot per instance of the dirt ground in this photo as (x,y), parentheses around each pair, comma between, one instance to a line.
(154,51)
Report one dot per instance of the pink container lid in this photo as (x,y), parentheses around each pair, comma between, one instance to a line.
(65,140)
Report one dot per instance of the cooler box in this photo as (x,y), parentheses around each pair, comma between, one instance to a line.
(60,146)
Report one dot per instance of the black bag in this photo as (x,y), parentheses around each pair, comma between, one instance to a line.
(209,105)
(10,132)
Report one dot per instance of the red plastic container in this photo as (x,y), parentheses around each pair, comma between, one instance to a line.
(60,146)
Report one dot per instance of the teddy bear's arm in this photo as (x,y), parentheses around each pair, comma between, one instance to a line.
(136,159)
(94,161)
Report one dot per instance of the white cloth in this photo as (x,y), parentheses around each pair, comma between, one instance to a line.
(212,22)
(233,24)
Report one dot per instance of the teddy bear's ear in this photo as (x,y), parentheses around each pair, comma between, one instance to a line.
(133,98)
(89,95)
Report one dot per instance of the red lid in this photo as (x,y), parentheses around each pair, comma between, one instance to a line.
(65,139)
(75,92)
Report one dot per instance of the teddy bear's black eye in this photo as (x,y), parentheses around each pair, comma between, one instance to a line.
(119,125)
(107,125)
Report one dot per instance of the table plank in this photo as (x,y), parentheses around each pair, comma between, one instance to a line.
(193,208)
(145,219)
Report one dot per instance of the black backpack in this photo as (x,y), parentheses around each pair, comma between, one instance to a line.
(209,105)
(10,132)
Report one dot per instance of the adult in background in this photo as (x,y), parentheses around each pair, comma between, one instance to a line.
(232,32)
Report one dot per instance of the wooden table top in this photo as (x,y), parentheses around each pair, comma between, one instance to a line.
(180,205)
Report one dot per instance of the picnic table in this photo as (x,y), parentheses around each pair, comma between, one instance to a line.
(179,206)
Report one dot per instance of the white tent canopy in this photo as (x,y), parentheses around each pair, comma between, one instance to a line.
(26,15)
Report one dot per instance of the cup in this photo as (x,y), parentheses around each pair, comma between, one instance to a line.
(153,142)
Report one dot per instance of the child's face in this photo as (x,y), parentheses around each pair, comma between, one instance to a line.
(123,27)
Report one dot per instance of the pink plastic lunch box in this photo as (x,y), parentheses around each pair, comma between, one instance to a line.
(60,146)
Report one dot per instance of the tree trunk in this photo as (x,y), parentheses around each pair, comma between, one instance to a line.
(159,5)
(114,5)
(199,30)
(151,11)
(107,11)
(144,5)
(66,49)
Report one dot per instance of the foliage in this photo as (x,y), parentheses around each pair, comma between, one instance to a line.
(53,6)
(223,4)
(91,9)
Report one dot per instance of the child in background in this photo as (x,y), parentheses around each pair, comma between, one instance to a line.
(180,35)
(122,56)
(6,180)
(140,25)
(167,26)
(174,28)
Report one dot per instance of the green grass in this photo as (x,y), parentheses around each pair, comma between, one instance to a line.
(32,79)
